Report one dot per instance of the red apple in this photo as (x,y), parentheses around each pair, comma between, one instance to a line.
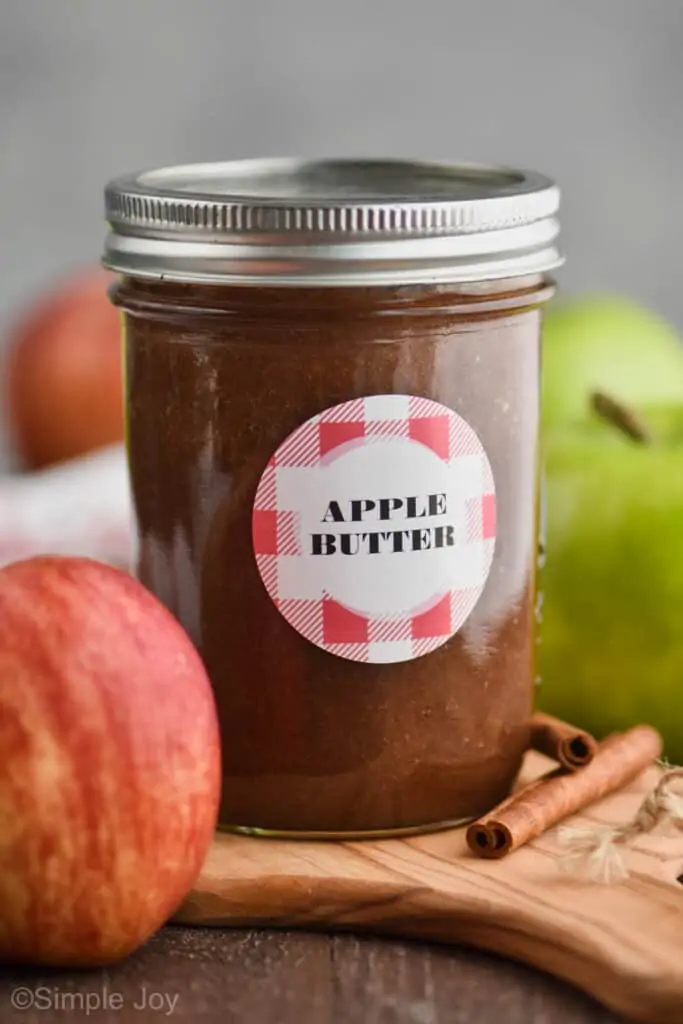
(64,372)
(109,763)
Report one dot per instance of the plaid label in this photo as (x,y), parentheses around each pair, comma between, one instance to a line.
(374,527)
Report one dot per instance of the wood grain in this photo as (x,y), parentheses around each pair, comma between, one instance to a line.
(217,976)
(623,944)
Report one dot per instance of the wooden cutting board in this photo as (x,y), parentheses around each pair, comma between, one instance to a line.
(622,943)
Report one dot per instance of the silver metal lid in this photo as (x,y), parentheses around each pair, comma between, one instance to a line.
(332,222)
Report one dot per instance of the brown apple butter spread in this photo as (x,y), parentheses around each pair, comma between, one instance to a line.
(333,449)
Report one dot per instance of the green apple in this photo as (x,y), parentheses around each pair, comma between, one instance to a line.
(612,642)
(606,343)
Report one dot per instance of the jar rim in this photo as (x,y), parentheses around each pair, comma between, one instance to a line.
(332,222)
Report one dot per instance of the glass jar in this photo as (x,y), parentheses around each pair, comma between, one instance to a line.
(332,376)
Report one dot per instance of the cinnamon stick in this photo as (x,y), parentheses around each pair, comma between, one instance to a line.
(564,743)
(548,800)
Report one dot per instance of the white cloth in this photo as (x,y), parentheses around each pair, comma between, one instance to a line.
(82,507)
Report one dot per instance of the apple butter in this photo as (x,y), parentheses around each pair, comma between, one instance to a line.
(332,380)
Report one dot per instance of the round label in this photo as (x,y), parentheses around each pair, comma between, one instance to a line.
(374,526)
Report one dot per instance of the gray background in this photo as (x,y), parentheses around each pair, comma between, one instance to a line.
(589,91)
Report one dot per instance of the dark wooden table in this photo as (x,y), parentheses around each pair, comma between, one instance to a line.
(256,977)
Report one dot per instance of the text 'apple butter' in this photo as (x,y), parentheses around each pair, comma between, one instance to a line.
(332,375)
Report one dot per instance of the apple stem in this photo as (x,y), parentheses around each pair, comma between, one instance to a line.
(621,416)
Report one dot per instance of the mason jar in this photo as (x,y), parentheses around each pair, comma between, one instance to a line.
(332,380)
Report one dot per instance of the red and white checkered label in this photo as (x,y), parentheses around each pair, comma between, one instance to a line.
(374,526)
